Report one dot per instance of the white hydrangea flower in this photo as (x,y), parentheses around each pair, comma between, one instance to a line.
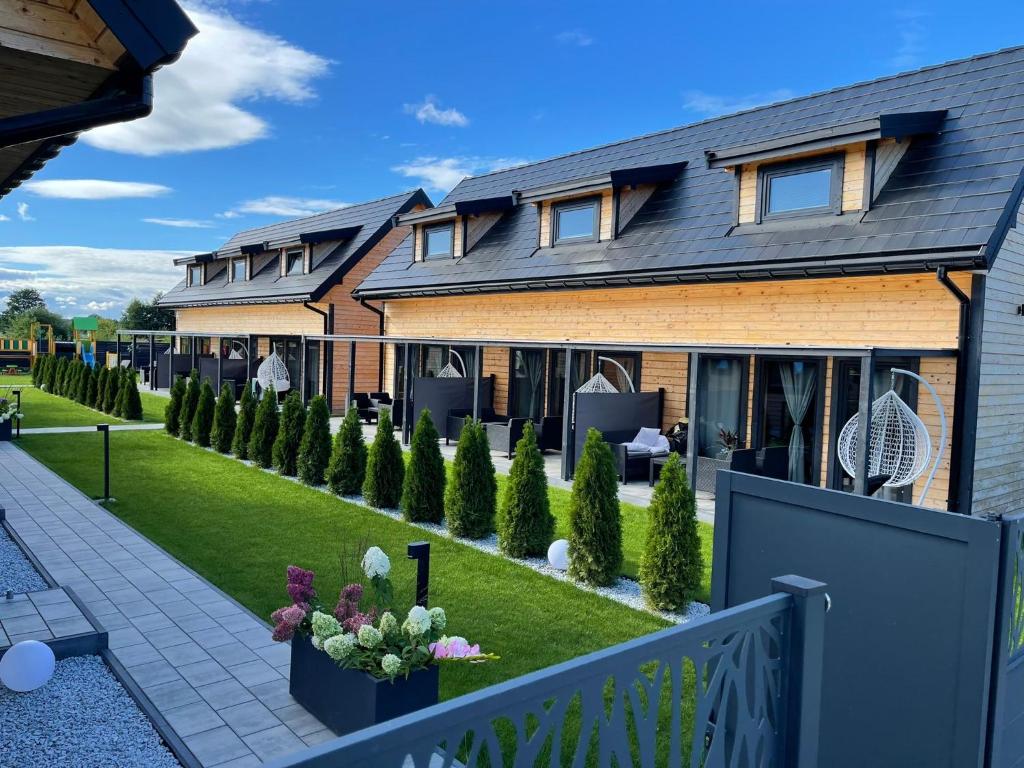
(418,621)
(388,623)
(318,643)
(369,636)
(376,563)
(340,646)
(437,618)
(325,625)
(391,664)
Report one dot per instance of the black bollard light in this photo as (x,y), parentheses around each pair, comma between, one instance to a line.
(17,426)
(420,552)
(105,429)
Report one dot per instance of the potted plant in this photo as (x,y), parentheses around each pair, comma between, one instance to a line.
(8,415)
(359,664)
(728,439)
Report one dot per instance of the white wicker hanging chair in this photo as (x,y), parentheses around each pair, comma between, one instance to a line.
(598,383)
(449,372)
(273,371)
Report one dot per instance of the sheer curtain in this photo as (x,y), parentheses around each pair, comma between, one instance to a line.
(798,382)
(720,381)
(530,374)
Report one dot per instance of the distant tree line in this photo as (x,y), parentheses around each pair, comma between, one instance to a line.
(26,306)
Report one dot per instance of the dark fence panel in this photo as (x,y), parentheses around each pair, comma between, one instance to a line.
(441,395)
(622,413)
(1006,733)
(909,638)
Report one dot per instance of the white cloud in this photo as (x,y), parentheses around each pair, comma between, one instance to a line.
(430,112)
(23,212)
(443,173)
(106,277)
(276,205)
(911,30)
(93,189)
(65,301)
(180,223)
(575,37)
(4,218)
(197,101)
(712,105)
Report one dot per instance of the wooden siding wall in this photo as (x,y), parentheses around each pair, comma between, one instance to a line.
(999,468)
(853,182)
(63,29)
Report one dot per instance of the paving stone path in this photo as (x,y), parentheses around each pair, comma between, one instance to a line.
(205,662)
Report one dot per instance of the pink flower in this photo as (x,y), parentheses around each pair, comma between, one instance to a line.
(454,648)
(357,619)
(300,584)
(348,602)
(287,620)
(283,632)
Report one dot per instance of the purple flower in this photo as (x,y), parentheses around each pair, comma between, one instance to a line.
(283,632)
(348,602)
(300,584)
(352,593)
(356,620)
(287,620)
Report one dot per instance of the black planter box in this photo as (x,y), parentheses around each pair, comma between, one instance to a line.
(5,430)
(347,700)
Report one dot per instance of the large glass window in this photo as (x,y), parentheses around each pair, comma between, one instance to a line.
(556,378)
(721,405)
(620,368)
(238,270)
(432,359)
(791,414)
(399,382)
(527,397)
(575,221)
(438,241)
(195,274)
(290,350)
(797,189)
(293,262)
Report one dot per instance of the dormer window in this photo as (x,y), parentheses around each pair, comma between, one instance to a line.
(238,270)
(576,221)
(439,241)
(294,261)
(801,188)
(195,275)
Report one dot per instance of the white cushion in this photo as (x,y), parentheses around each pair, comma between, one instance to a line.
(647,436)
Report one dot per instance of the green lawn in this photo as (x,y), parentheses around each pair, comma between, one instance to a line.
(45,410)
(239,527)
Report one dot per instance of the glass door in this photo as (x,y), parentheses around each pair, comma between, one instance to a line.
(526,400)
(556,378)
(721,405)
(790,413)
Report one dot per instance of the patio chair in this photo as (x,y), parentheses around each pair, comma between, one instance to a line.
(549,433)
(365,407)
(744,460)
(633,455)
(775,462)
(504,436)
(457,417)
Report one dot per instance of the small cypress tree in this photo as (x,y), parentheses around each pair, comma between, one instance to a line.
(471,496)
(101,388)
(172,412)
(112,391)
(346,470)
(51,374)
(82,383)
(289,436)
(264,430)
(131,400)
(243,425)
(385,469)
(188,406)
(423,489)
(315,449)
(122,390)
(525,523)
(595,528)
(224,420)
(62,374)
(71,377)
(34,369)
(90,391)
(672,564)
(202,421)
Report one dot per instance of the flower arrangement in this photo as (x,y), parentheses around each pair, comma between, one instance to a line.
(372,640)
(8,411)
(728,438)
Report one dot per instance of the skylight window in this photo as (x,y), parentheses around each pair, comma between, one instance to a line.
(575,221)
(801,188)
(438,242)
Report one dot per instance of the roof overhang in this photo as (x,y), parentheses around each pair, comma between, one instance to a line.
(325,235)
(896,125)
(199,258)
(250,249)
(449,211)
(648,174)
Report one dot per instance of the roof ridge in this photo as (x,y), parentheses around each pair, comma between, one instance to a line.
(716,118)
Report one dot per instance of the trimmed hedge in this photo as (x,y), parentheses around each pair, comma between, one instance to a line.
(423,488)
(289,436)
(315,449)
(385,469)
(471,495)
(243,425)
(224,420)
(526,526)
(264,430)
(595,527)
(672,565)
(346,470)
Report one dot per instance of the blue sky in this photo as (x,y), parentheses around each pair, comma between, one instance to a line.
(285,108)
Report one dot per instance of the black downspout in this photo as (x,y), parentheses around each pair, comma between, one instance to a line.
(960,388)
(380,332)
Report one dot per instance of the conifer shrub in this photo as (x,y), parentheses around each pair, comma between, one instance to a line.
(131,401)
(33,370)
(289,435)
(385,469)
(224,420)
(346,470)
(71,375)
(472,490)
(188,406)
(61,375)
(672,565)
(90,390)
(423,487)
(264,430)
(526,526)
(202,422)
(315,448)
(112,391)
(243,425)
(595,528)
(101,388)
(82,383)
(51,374)
(122,390)
(172,412)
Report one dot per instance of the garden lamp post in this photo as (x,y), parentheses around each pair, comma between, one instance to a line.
(420,552)
(105,429)
(17,426)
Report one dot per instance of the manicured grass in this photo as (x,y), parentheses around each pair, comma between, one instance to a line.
(45,410)
(240,527)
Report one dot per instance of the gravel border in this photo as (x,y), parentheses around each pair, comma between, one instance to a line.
(17,573)
(81,718)
(624,591)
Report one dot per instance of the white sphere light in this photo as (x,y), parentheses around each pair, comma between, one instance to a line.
(26,666)
(558,554)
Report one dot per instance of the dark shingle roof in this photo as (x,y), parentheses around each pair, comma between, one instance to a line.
(331,258)
(946,194)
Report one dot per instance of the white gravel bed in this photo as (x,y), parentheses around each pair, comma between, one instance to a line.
(17,574)
(82,718)
(625,591)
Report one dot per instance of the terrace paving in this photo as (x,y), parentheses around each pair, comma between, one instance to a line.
(46,615)
(206,663)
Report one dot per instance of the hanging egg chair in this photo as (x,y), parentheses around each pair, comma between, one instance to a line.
(273,371)
(450,371)
(598,383)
